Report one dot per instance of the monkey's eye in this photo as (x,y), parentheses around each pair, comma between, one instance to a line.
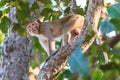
(33,24)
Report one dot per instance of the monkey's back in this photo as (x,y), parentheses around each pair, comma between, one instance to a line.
(68,23)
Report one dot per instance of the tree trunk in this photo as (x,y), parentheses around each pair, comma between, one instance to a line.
(15,57)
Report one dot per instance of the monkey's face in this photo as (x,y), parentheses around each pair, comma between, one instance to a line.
(33,28)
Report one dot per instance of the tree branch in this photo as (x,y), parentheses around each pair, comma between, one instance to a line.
(114,40)
(93,22)
(73,7)
(57,61)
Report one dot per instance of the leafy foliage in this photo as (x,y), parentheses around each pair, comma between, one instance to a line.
(23,12)
(66,2)
(78,63)
(48,3)
(34,6)
(106,26)
(114,11)
(38,48)
(1,36)
(50,14)
(19,29)
(4,24)
(80,10)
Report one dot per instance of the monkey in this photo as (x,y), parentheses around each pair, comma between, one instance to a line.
(66,28)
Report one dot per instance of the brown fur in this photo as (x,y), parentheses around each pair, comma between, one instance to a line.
(51,30)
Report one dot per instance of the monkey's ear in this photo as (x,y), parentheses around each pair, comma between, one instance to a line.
(38,20)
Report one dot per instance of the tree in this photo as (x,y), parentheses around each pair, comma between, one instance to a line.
(16,49)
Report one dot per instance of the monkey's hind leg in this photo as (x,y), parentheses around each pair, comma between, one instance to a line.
(66,37)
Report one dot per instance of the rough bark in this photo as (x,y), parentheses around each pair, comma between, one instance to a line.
(94,25)
(73,7)
(15,54)
(56,62)
(15,57)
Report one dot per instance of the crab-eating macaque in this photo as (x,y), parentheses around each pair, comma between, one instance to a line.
(66,28)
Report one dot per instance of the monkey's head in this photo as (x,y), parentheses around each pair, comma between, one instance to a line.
(34,28)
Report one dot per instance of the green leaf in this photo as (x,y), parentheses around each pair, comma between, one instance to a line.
(78,62)
(64,74)
(117,0)
(4,25)
(47,3)
(116,23)
(114,11)
(110,66)
(58,44)
(37,45)
(23,12)
(55,15)
(50,14)
(12,0)
(90,35)
(19,29)
(80,10)
(117,46)
(94,49)
(97,74)
(106,26)
(3,2)
(67,11)
(34,6)
(105,46)
(0,14)
(16,27)
(117,51)
(2,36)
(34,64)
(66,2)
(46,11)
(38,48)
